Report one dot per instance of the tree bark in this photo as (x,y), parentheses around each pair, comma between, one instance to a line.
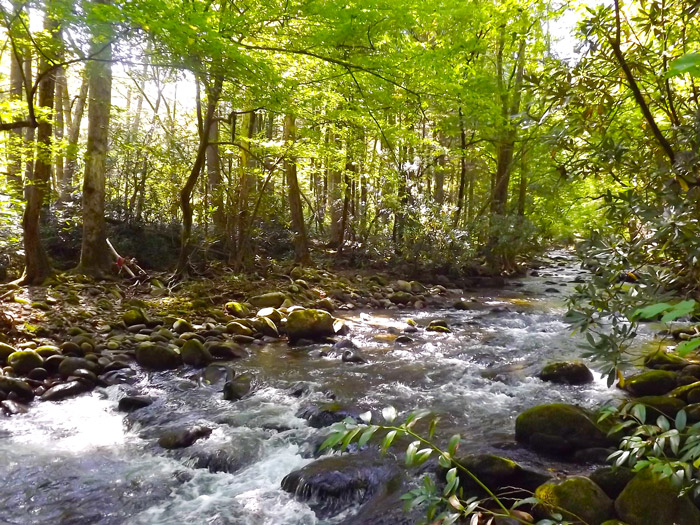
(14,161)
(95,257)
(73,135)
(335,199)
(301,242)
(214,179)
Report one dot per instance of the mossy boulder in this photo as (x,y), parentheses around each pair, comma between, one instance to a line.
(46,351)
(309,324)
(651,383)
(183,437)
(157,357)
(238,387)
(20,388)
(5,351)
(268,300)
(265,326)
(438,325)
(24,361)
(566,372)
(236,328)
(237,309)
(194,353)
(576,498)
(496,472)
(401,297)
(662,360)
(612,480)
(648,499)
(273,314)
(660,405)
(135,316)
(182,326)
(559,429)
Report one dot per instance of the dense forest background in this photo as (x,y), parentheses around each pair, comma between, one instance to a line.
(439,136)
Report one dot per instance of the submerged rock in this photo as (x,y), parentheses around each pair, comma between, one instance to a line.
(309,324)
(332,484)
(577,498)
(183,437)
(131,403)
(193,353)
(648,499)
(16,386)
(238,387)
(325,414)
(438,325)
(558,429)
(566,372)
(352,356)
(64,390)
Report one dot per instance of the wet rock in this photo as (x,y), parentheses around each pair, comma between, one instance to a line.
(237,309)
(651,383)
(38,374)
(576,498)
(64,390)
(496,473)
(135,316)
(184,437)
(325,414)
(558,429)
(330,485)
(352,356)
(215,374)
(69,365)
(238,387)
(226,351)
(438,325)
(593,455)
(662,360)
(24,361)
(5,351)
(265,326)
(236,328)
(566,372)
(86,376)
(552,290)
(402,286)
(345,344)
(46,351)
(193,353)
(131,403)
(401,297)
(268,300)
(692,371)
(404,340)
(181,326)
(463,304)
(612,480)
(19,388)
(126,376)
(12,408)
(309,324)
(157,357)
(647,499)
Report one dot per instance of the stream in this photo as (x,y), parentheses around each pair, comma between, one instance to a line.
(82,461)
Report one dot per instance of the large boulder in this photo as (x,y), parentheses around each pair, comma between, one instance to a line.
(660,405)
(238,387)
(68,365)
(566,372)
(64,390)
(194,353)
(268,300)
(648,499)
(183,437)
(24,361)
(558,429)
(651,383)
(332,484)
(576,498)
(135,317)
(237,309)
(5,351)
(20,388)
(662,360)
(612,480)
(309,324)
(157,357)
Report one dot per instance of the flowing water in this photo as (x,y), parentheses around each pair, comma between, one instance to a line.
(81,461)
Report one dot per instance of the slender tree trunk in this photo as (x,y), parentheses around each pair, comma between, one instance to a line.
(522,189)
(29,138)
(95,258)
(214,179)
(14,161)
(59,128)
(244,253)
(335,197)
(186,248)
(462,170)
(301,242)
(73,135)
(37,266)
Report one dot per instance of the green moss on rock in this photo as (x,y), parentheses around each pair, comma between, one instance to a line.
(237,328)
(566,372)
(651,383)
(5,351)
(24,361)
(660,405)
(558,428)
(577,498)
(309,324)
(663,360)
(194,353)
(134,317)
(648,499)
(268,300)
(157,357)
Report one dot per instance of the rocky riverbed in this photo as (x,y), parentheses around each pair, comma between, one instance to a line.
(158,416)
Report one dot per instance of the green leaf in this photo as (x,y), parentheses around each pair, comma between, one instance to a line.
(411,453)
(686,347)
(388,440)
(366,417)
(332,440)
(640,412)
(679,310)
(453,445)
(688,63)
(423,455)
(367,435)
(681,420)
(651,311)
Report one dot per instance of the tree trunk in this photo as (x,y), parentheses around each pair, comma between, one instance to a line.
(73,136)
(37,266)
(522,189)
(462,170)
(335,197)
(186,248)
(301,242)
(59,128)
(95,258)
(244,253)
(14,160)
(214,179)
